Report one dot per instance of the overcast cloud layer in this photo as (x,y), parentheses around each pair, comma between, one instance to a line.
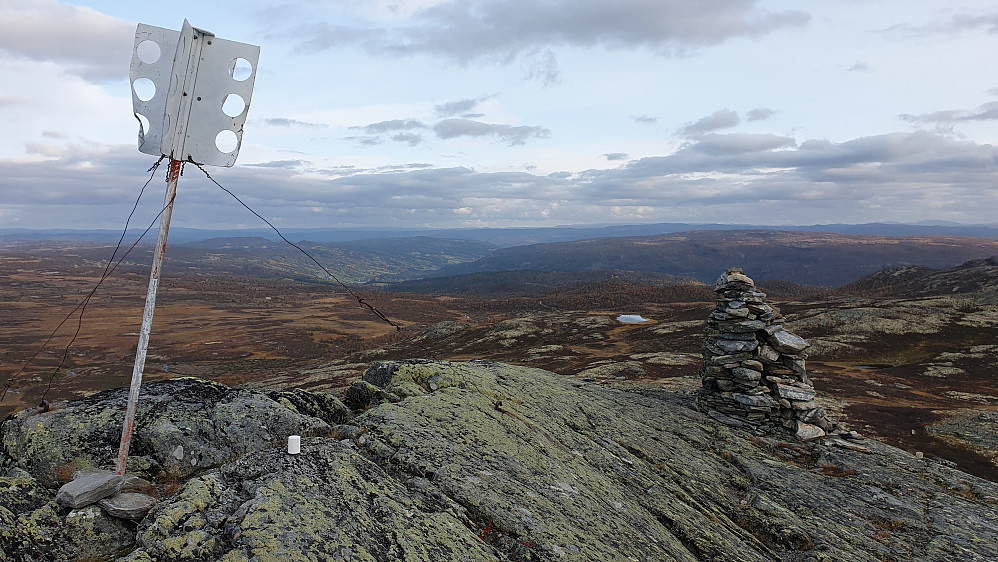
(524,113)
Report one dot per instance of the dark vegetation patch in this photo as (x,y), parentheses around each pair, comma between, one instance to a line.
(980,275)
(527,282)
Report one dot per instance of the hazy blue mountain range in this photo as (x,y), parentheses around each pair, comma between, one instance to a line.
(808,258)
(504,237)
(804,257)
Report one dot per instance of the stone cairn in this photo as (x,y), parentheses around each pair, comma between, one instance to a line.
(754,371)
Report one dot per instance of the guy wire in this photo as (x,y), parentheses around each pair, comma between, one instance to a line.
(82,306)
(359,299)
(497,405)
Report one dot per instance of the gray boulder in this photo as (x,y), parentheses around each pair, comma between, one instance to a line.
(88,488)
(128,505)
(493,462)
(326,407)
(787,342)
(53,533)
(183,425)
(497,462)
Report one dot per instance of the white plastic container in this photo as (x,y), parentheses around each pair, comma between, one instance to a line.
(294,444)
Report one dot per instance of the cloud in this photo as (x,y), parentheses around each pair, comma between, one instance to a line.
(737,143)
(720,119)
(11,101)
(988,22)
(946,119)
(487,27)
(725,178)
(284,122)
(105,175)
(409,138)
(286,164)
(392,125)
(376,132)
(858,67)
(502,31)
(86,42)
(320,36)
(645,119)
(759,114)
(956,24)
(611,156)
(543,67)
(817,160)
(457,107)
(367,140)
(512,135)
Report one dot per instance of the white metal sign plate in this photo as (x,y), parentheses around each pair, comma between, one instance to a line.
(194,91)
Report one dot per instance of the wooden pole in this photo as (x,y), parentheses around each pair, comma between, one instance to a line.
(140,353)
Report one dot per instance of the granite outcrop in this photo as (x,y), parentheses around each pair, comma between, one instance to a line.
(480,461)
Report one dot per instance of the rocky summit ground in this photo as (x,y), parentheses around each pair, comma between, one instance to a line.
(440,461)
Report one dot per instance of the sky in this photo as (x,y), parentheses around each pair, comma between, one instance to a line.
(512,113)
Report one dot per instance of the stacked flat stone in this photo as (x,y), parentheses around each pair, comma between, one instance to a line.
(754,372)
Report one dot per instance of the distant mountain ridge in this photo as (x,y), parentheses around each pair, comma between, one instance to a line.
(816,259)
(359,261)
(505,237)
(919,281)
(526,282)
(806,258)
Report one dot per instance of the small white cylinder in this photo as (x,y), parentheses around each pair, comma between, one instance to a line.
(294,444)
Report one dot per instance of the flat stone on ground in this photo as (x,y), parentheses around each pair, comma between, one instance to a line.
(129,505)
(808,432)
(88,488)
(847,445)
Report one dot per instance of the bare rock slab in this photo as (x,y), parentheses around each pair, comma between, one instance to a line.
(808,432)
(558,471)
(88,488)
(786,342)
(129,505)
(794,392)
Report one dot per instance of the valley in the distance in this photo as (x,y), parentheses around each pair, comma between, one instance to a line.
(908,354)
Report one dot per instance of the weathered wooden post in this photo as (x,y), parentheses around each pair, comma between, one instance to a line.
(190,108)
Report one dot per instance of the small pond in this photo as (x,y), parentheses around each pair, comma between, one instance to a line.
(631,319)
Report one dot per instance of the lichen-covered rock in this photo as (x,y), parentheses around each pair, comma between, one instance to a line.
(443,329)
(127,505)
(20,492)
(185,425)
(497,462)
(53,533)
(327,503)
(362,395)
(493,462)
(326,407)
(613,369)
(88,488)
